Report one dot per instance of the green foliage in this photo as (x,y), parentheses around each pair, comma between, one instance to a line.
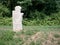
(50,6)
(5,21)
(4,11)
(38,20)
(5,37)
(36,12)
(47,20)
(33,6)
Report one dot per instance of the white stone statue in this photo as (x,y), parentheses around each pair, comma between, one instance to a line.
(17,17)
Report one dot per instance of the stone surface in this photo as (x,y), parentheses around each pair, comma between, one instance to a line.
(17,19)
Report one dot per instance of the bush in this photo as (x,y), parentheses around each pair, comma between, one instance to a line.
(42,19)
(4,11)
(53,19)
(5,21)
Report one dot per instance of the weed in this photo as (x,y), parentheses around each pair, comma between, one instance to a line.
(56,35)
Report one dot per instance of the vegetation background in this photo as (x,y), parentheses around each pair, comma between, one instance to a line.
(36,12)
(41,22)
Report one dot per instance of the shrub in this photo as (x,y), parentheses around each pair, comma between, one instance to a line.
(5,21)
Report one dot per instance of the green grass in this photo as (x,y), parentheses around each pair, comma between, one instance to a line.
(30,35)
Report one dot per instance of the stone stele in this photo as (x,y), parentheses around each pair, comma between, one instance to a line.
(17,17)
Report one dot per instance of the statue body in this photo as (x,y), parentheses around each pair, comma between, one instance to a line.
(17,19)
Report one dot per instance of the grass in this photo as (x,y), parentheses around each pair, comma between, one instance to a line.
(56,35)
(30,35)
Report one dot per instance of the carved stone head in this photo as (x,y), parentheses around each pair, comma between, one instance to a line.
(18,8)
